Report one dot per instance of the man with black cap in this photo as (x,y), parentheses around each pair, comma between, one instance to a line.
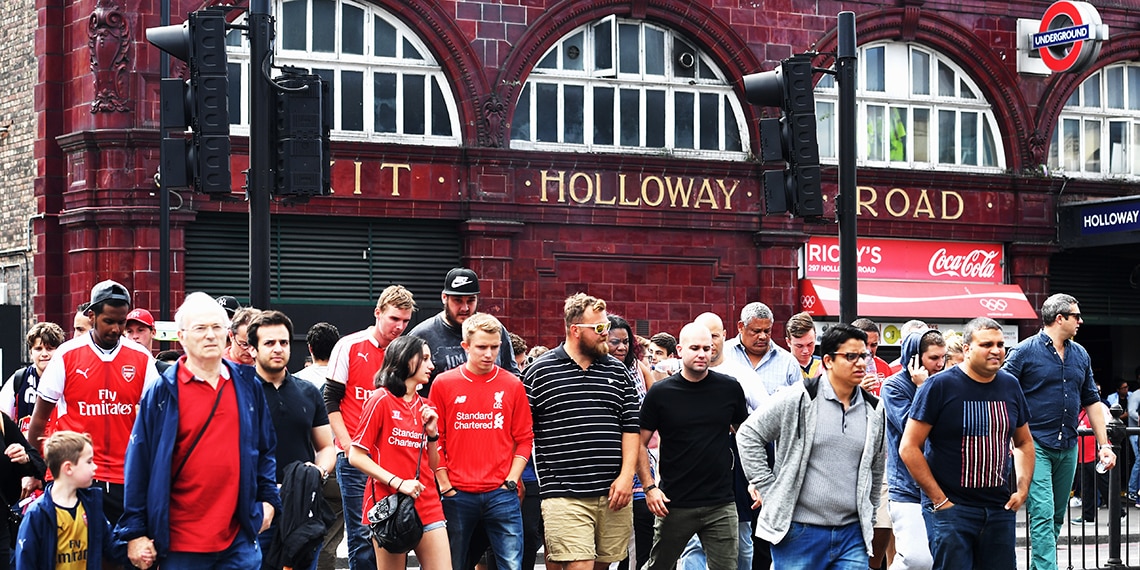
(94,382)
(444,332)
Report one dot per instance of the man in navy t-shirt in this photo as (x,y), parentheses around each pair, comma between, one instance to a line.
(969,414)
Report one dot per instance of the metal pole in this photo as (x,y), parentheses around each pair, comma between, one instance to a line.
(846,62)
(164,200)
(259,179)
(1118,438)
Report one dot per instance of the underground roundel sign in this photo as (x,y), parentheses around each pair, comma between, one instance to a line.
(1070,36)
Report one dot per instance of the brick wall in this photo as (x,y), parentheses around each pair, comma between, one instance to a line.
(18,121)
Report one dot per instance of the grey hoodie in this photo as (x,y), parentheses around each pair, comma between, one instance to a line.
(788,418)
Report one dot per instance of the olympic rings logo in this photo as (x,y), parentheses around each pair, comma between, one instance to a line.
(993,304)
(807,301)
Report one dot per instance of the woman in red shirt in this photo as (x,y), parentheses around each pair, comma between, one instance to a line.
(387,444)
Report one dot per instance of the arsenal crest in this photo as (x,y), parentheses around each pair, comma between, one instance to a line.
(128,372)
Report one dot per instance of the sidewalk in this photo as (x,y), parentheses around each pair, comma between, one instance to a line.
(1086,546)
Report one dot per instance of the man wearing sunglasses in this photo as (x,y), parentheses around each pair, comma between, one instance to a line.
(819,497)
(586,441)
(1056,375)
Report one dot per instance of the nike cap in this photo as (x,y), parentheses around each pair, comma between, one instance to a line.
(461,281)
(109,291)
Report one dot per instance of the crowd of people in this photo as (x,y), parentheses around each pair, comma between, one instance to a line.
(703,450)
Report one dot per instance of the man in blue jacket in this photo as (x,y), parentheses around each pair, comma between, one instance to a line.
(200,465)
(923,355)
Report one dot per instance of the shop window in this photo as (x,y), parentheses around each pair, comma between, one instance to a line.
(627,86)
(917,108)
(1098,132)
(386,85)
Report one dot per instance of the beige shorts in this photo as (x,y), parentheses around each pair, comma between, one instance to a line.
(585,529)
(883,516)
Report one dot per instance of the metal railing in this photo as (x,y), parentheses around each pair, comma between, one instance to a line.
(1108,544)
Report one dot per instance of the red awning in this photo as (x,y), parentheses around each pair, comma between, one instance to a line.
(919,299)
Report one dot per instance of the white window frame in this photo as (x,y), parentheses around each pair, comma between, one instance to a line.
(590,78)
(899,93)
(368,64)
(1077,109)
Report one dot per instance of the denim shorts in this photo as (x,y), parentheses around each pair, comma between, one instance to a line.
(435,525)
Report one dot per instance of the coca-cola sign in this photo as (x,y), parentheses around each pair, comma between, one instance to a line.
(912,260)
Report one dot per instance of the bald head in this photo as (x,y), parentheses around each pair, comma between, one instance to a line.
(695,346)
(716,328)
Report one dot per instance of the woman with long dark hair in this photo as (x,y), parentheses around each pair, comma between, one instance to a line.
(393,426)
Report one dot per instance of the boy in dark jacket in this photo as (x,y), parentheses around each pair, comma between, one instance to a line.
(69,513)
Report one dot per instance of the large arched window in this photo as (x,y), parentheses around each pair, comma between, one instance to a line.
(1098,132)
(917,109)
(387,86)
(630,87)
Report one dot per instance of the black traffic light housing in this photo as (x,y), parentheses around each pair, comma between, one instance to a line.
(202,103)
(791,138)
(302,118)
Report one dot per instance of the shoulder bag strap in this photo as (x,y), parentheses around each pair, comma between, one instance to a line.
(202,432)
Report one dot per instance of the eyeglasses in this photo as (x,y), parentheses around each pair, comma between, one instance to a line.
(600,328)
(619,341)
(1072,315)
(852,356)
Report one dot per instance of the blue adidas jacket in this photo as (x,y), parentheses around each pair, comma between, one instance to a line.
(35,545)
(149,460)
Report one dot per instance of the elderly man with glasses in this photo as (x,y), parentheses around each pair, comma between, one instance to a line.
(820,495)
(586,441)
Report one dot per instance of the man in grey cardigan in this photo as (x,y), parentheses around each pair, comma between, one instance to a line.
(820,495)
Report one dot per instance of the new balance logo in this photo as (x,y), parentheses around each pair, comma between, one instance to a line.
(396,415)
(82,372)
(460,399)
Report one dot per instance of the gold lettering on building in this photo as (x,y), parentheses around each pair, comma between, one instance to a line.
(890,199)
(869,204)
(560,179)
(358,166)
(944,205)
(657,183)
(621,191)
(923,205)
(946,209)
(727,193)
(574,187)
(677,189)
(396,175)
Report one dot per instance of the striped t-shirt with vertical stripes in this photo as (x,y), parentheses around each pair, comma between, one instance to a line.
(579,418)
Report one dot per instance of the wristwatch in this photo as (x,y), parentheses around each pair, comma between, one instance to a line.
(511,486)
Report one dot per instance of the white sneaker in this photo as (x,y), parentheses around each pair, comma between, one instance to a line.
(1075,502)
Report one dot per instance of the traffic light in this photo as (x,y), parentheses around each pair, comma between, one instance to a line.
(302,117)
(791,138)
(202,103)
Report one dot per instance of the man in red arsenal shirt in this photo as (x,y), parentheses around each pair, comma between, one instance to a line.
(485,442)
(352,370)
(94,382)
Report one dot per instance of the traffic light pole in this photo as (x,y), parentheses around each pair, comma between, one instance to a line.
(164,200)
(259,179)
(846,63)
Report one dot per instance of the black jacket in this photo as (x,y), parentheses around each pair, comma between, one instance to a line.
(303,520)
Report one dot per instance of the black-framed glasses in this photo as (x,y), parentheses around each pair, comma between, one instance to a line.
(1072,315)
(852,356)
(600,328)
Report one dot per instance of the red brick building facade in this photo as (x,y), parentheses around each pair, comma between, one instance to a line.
(662,235)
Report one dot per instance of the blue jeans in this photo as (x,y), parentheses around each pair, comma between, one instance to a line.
(243,554)
(1134,479)
(352,480)
(266,538)
(501,515)
(812,547)
(1048,502)
(972,537)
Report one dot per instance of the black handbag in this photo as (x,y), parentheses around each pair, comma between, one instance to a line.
(15,515)
(394,522)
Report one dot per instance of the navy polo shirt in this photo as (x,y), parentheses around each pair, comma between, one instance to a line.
(296,408)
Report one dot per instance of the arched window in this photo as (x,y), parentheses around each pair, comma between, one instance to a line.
(917,109)
(626,86)
(386,84)
(1098,132)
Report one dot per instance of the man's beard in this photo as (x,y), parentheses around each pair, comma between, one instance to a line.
(594,351)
